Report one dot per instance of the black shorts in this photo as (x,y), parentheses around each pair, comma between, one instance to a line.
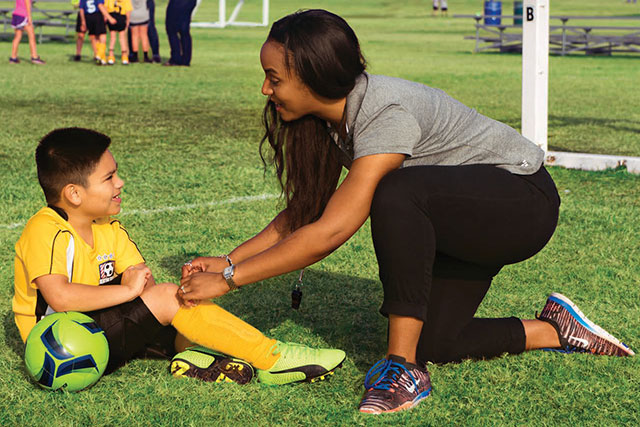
(95,24)
(121,22)
(133,332)
(137,24)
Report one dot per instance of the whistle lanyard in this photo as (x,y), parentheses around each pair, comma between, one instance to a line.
(296,294)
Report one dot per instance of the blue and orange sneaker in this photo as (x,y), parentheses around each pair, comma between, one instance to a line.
(578,334)
(398,385)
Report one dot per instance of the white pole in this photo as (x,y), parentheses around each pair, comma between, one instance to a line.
(535,71)
(265,12)
(222,13)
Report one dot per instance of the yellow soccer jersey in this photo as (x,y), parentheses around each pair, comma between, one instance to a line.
(118,6)
(49,245)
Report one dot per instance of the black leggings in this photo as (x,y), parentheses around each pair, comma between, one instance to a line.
(441,233)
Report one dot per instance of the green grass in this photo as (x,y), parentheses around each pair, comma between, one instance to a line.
(189,136)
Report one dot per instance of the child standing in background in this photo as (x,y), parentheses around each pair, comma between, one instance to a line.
(21,20)
(79,33)
(120,10)
(93,15)
(139,27)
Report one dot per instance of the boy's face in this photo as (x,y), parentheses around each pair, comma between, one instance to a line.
(101,196)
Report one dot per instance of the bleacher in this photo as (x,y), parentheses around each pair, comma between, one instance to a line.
(582,35)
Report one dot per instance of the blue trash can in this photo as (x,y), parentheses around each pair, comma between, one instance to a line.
(517,12)
(491,9)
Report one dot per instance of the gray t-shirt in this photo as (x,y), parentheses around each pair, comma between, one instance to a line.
(140,13)
(391,115)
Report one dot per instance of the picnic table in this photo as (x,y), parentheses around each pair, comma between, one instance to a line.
(60,15)
(564,38)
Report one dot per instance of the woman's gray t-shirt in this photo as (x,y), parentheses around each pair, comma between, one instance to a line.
(391,115)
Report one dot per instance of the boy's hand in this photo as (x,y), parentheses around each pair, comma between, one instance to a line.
(211,264)
(203,285)
(135,278)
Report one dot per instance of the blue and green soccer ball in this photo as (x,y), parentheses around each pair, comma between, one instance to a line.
(66,351)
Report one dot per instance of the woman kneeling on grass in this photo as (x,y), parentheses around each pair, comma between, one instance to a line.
(453,196)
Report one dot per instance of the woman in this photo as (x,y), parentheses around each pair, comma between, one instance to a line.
(453,196)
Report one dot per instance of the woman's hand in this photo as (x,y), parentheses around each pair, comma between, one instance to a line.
(211,264)
(203,285)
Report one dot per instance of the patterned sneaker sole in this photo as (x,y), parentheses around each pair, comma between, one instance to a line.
(605,338)
(419,398)
(231,372)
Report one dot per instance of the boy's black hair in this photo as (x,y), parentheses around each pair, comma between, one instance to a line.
(68,156)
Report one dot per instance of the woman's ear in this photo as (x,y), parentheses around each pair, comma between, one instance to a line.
(71,193)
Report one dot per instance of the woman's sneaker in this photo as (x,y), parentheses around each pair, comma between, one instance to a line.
(394,385)
(300,363)
(576,332)
(37,60)
(208,365)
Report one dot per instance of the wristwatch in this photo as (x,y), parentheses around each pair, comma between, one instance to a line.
(228,273)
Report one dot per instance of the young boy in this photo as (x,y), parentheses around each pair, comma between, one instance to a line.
(93,15)
(73,257)
(120,10)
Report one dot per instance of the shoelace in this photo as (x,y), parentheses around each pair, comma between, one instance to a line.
(296,350)
(389,372)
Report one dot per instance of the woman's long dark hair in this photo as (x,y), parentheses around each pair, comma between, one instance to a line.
(323,51)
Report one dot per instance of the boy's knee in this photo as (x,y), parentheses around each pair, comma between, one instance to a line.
(162,301)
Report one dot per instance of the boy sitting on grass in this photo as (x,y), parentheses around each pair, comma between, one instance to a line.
(73,257)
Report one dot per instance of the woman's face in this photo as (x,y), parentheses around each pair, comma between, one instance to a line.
(292,98)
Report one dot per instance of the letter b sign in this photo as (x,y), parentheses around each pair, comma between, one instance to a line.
(529,13)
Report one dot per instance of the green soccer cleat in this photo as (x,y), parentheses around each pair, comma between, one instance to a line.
(300,363)
(208,365)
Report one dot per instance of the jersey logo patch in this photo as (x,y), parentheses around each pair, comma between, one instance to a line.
(107,271)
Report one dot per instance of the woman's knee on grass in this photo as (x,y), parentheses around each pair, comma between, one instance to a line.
(162,300)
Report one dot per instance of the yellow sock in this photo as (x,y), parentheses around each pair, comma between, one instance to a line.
(211,326)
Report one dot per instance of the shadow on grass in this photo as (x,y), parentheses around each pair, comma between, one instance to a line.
(340,309)
(12,339)
(620,124)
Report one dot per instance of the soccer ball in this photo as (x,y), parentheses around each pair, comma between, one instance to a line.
(66,351)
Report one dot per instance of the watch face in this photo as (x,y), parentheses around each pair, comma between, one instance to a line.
(228,272)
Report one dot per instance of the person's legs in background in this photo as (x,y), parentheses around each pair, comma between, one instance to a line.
(171,26)
(142,33)
(152,32)
(79,39)
(124,46)
(135,43)
(185,31)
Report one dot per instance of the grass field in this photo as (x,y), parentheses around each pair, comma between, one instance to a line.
(186,142)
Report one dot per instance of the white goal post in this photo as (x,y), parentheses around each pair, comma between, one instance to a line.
(222,16)
(535,95)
